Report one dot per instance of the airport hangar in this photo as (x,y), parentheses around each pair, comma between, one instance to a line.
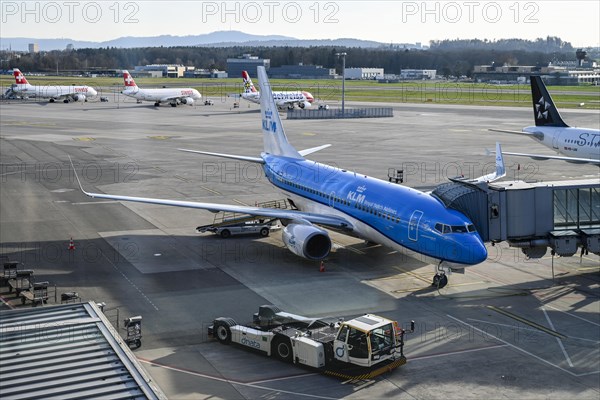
(148,260)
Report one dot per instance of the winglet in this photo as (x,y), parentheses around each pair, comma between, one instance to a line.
(77,177)
(499,173)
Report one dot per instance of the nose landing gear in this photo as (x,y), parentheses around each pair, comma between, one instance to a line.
(440,279)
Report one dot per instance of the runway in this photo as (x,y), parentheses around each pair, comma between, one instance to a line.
(477,337)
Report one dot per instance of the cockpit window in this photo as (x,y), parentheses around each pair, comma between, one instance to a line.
(445,229)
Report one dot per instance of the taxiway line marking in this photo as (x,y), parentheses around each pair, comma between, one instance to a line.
(560,343)
(528,322)
(241,202)
(210,190)
(339,245)
(232,382)
(451,353)
(511,345)
(413,274)
(528,329)
(572,315)
(85,203)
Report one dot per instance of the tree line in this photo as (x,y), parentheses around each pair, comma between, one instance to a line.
(448,57)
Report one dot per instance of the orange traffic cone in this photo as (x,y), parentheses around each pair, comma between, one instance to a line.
(71,245)
(322,267)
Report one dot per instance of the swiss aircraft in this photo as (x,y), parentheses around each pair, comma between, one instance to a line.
(283,99)
(65,93)
(172,96)
(576,145)
(345,201)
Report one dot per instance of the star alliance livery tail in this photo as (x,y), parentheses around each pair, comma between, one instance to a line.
(275,140)
(544,110)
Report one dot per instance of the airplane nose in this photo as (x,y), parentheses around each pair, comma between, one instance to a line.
(477,252)
(92,92)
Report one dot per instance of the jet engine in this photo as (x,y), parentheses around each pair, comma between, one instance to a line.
(304,104)
(79,97)
(187,100)
(307,241)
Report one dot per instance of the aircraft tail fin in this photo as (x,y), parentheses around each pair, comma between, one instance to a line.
(275,140)
(545,112)
(19,77)
(128,79)
(248,85)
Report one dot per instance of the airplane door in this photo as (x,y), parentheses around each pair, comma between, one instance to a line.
(555,141)
(332,199)
(413,225)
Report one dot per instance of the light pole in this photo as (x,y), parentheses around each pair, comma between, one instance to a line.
(343,55)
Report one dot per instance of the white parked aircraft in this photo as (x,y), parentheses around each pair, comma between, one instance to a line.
(172,96)
(346,201)
(282,99)
(65,93)
(576,145)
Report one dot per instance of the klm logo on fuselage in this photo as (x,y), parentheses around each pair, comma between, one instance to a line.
(353,196)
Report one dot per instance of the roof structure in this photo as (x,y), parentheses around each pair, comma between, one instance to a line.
(67,351)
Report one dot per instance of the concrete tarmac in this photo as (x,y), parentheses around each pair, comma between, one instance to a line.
(479,337)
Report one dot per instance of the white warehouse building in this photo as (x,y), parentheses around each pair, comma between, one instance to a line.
(363,73)
(417,74)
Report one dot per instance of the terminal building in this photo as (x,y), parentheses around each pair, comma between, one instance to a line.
(574,72)
(161,70)
(301,71)
(246,62)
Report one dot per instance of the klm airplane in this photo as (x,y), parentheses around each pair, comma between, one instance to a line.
(349,202)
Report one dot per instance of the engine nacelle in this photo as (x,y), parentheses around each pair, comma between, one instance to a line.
(304,104)
(79,97)
(187,100)
(307,241)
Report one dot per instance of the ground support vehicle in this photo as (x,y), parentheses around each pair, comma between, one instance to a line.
(360,348)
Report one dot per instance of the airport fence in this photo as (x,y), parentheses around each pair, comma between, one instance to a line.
(374,112)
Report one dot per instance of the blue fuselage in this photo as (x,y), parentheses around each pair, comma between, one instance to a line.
(382,212)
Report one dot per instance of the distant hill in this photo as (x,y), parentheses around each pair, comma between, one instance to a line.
(345,42)
(231,37)
(214,39)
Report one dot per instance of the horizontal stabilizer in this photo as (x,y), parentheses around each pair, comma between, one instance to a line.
(306,152)
(512,132)
(232,156)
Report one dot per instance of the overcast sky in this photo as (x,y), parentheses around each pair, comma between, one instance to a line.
(577,22)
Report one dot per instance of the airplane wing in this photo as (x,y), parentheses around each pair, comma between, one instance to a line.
(575,160)
(292,215)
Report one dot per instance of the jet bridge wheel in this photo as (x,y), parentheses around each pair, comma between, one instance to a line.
(222,329)
(282,347)
(440,280)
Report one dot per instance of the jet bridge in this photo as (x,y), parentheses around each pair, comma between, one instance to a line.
(562,215)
